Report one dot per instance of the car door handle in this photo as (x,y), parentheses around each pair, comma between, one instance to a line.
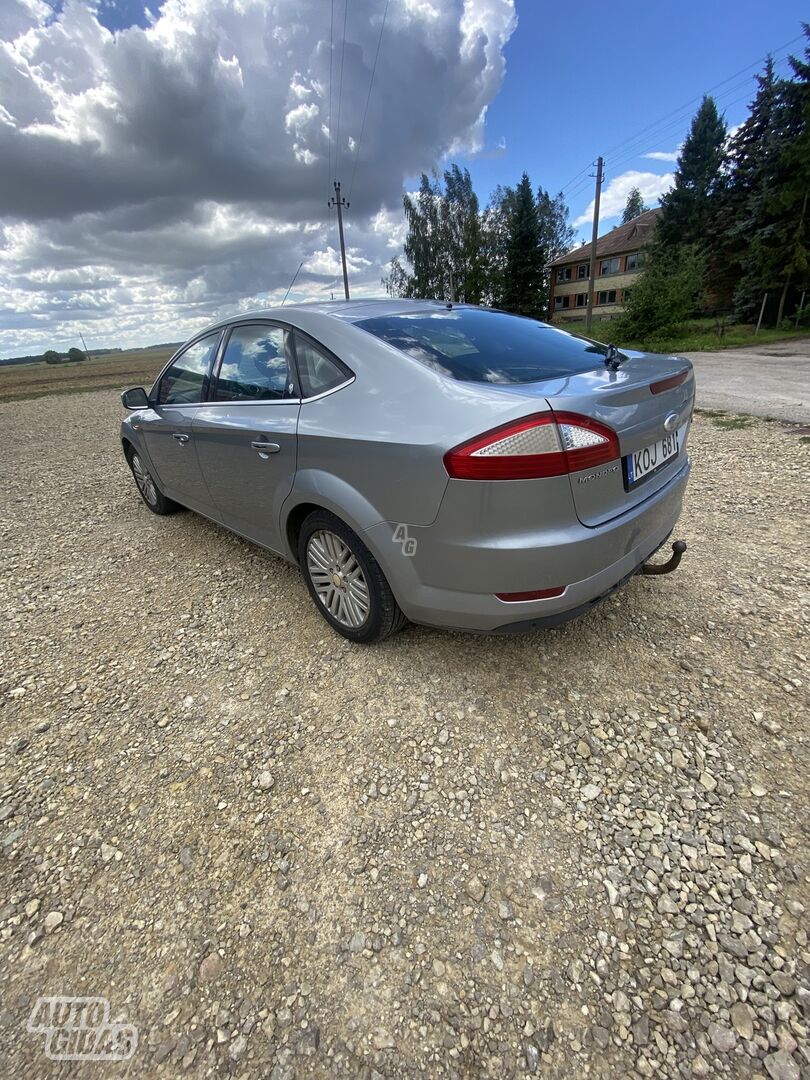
(265,447)
(181,438)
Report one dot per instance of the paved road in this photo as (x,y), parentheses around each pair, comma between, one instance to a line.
(771,381)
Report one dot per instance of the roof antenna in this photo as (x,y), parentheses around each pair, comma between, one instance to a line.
(295,275)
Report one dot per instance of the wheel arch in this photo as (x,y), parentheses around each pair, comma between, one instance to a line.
(317,490)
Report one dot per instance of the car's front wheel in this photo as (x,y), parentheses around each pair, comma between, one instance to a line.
(145,482)
(345,580)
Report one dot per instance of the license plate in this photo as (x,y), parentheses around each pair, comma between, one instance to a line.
(653,457)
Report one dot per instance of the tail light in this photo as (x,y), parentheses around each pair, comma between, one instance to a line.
(669,383)
(545,444)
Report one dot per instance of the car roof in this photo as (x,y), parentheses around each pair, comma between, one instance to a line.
(346,310)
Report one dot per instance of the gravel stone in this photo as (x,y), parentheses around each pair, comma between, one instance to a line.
(604,891)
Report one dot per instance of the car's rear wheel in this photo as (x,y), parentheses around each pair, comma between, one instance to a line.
(147,486)
(345,580)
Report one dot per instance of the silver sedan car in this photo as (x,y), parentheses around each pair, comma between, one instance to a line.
(445,464)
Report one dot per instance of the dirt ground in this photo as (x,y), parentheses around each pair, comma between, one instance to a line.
(134,367)
(582,852)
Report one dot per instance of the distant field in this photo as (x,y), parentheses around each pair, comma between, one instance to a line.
(135,367)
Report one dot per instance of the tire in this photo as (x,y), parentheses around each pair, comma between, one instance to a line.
(362,608)
(147,487)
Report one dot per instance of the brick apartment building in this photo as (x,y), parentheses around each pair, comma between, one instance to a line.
(619,259)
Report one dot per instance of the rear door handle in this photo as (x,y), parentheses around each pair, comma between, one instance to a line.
(265,447)
(181,438)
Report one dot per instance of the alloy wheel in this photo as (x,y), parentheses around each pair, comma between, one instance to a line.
(143,478)
(338,579)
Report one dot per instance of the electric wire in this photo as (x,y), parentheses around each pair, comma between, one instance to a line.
(667,124)
(368,99)
(340,90)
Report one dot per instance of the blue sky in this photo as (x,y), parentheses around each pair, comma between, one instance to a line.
(582,78)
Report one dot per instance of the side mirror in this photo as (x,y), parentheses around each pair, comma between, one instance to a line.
(135,398)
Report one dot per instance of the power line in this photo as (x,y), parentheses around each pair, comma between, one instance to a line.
(368,98)
(331,54)
(633,148)
(651,131)
(340,89)
(568,183)
(692,101)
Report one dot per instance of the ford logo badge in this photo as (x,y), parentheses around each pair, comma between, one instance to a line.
(671,422)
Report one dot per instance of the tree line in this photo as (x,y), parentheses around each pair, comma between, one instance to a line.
(498,256)
(732,237)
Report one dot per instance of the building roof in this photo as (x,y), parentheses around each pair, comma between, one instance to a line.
(627,237)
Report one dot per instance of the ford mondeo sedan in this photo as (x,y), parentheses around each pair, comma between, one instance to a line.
(439,463)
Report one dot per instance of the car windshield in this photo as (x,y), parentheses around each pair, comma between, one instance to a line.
(473,345)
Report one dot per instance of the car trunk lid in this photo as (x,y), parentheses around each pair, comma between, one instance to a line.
(645,400)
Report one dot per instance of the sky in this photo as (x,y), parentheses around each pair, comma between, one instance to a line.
(165,165)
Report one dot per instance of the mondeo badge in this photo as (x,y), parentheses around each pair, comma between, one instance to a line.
(671,422)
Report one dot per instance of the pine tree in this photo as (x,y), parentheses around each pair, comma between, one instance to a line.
(687,208)
(556,235)
(524,262)
(740,196)
(634,206)
(764,218)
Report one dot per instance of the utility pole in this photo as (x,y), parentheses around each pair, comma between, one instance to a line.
(339,202)
(86,353)
(594,237)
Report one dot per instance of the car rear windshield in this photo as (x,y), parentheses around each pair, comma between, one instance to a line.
(473,345)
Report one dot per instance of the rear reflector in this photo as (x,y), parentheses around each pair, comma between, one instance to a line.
(668,384)
(538,594)
(544,444)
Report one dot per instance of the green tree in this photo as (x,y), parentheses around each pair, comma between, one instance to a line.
(767,206)
(524,265)
(686,209)
(634,206)
(443,246)
(51,357)
(556,235)
(494,233)
(461,219)
(740,197)
(74,355)
(666,294)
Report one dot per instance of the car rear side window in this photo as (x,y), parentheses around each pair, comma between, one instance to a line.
(473,345)
(255,365)
(317,371)
(184,379)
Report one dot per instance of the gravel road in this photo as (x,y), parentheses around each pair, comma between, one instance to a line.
(582,852)
(770,380)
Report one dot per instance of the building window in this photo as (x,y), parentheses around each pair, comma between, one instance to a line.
(564,273)
(626,295)
(561,302)
(606,296)
(583,270)
(635,261)
(610,266)
(582,299)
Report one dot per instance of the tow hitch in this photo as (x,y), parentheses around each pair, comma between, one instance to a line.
(678,548)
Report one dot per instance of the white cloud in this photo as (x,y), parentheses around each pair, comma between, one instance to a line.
(662,155)
(614,195)
(152,179)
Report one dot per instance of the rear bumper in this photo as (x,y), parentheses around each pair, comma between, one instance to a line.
(590,562)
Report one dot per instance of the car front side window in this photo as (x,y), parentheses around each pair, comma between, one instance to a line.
(254,366)
(183,381)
